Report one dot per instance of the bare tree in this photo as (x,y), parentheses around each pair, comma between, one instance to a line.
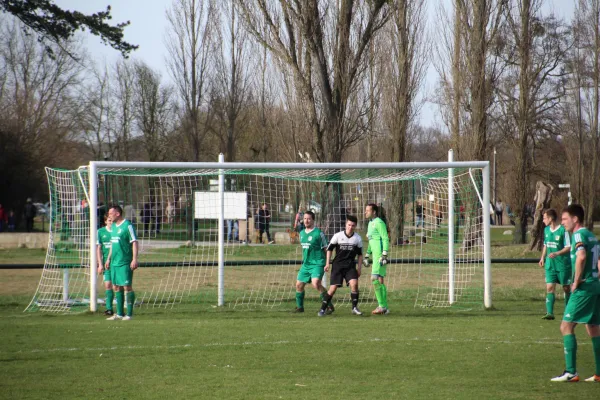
(153,110)
(191,31)
(531,90)
(232,79)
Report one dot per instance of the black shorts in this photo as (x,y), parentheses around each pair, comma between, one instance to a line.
(339,275)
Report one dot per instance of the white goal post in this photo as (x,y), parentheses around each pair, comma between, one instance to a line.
(223,168)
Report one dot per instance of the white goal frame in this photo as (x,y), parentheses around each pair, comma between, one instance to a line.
(222,166)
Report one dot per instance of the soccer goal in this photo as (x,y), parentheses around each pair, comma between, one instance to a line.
(225,234)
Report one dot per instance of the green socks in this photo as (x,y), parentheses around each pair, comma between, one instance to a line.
(130,303)
(570,344)
(120,300)
(596,346)
(384,295)
(550,303)
(300,299)
(378,292)
(110,295)
(567,297)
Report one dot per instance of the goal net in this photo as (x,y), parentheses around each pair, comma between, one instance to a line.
(205,239)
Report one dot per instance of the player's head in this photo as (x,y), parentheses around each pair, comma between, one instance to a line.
(351,222)
(572,217)
(115,212)
(107,220)
(371,210)
(550,216)
(309,219)
(265,206)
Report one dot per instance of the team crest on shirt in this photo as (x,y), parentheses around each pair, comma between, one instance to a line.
(556,237)
(309,238)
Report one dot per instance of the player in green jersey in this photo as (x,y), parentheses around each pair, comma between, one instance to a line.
(555,260)
(584,304)
(103,245)
(379,245)
(313,243)
(122,261)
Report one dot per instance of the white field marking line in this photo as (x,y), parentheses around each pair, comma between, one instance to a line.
(542,341)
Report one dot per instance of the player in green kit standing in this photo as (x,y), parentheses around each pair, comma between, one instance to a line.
(555,260)
(584,305)
(379,245)
(313,243)
(103,245)
(122,261)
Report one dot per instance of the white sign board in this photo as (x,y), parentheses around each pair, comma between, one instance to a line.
(206,205)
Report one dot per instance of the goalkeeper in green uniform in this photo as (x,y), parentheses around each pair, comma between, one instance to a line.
(122,261)
(555,260)
(103,245)
(313,243)
(584,305)
(379,245)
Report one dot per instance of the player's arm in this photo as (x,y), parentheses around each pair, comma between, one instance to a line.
(99,258)
(543,259)
(328,260)
(107,262)
(579,264)
(360,258)
(561,252)
(134,247)
(330,248)
(385,241)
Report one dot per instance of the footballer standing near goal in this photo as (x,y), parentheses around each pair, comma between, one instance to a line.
(584,305)
(122,261)
(347,245)
(103,245)
(313,243)
(379,243)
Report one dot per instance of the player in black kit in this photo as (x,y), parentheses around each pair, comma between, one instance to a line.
(347,245)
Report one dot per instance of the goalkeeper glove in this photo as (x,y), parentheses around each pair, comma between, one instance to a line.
(383,259)
(366,261)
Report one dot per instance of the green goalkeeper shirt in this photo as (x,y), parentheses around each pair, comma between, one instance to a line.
(104,240)
(122,238)
(379,240)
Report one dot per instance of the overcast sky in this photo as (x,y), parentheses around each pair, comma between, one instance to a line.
(148,26)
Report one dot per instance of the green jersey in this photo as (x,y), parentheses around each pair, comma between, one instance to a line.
(104,240)
(584,240)
(313,244)
(379,240)
(556,240)
(122,237)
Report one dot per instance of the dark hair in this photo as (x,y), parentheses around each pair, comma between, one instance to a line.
(352,218)
(374,207)
(551,212)
(312,214)
(575,210)
(117,207)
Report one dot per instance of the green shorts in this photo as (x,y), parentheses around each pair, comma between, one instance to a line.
(583,308)
(106,274)
(558,275)
(121,275)
(378,269)
(309,272)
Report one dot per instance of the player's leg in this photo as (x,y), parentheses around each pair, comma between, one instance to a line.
(354,295)
(593,332)
(335,282)
(109,293)
(130,299)
(551,281)
(301,281)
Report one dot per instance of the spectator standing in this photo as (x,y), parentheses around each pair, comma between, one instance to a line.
(146,217)
(264,220)
(3,218)
(29,215)
(12,221)
(419,211)
(499,211)
(299,221)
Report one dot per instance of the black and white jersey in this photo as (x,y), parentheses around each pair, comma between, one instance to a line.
(346,249)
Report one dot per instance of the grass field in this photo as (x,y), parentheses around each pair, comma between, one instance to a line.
(200,351)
